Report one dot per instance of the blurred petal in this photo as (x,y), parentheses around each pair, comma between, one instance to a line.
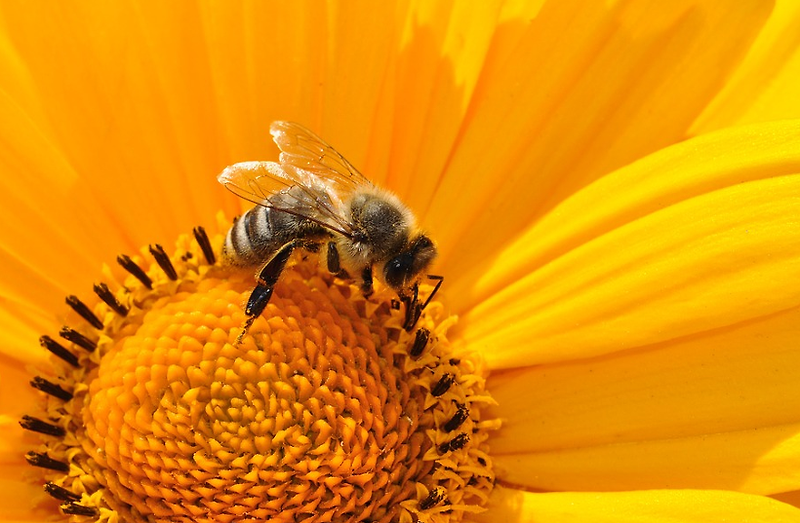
(657,506)
(765,86)
(792,498)
(603,93)
(697,236)
(107,101)
(23,501)
(133,124)
(18,497)
(462,33)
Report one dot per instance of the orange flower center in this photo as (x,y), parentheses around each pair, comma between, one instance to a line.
(326,411)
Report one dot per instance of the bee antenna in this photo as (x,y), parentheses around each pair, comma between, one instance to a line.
(439,280)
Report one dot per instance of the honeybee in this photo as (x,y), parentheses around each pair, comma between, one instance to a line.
(314,199)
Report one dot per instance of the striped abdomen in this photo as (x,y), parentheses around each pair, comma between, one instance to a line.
(261,231)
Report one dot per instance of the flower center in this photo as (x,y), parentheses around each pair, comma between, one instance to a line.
(328,410)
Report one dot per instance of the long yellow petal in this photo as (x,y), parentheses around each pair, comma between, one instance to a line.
(699,236)
(765,85)
(656,506)
(761,460)
(714,410)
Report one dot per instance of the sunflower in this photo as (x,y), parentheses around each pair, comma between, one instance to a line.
(613,190)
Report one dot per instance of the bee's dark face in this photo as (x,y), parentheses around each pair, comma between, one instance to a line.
(403,270)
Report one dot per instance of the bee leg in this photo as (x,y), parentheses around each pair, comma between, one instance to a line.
(334,265)
(413,308)
(266,279)
(366,281)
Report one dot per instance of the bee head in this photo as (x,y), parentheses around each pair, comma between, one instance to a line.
(404,269)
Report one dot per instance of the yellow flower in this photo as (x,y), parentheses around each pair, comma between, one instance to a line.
(612,186)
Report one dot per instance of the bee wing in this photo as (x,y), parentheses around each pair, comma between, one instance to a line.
(304,151)
(257,182)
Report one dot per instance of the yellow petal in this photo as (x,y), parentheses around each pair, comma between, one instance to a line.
(47,199)
(698,236)
(612,82)
(16,399)
(716,410)
(103,111)
(440,61)
(656,506)
(715,461)
(765,85)
(792,498)
(23,501)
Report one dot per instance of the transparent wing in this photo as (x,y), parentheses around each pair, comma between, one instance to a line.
(262,182)
(304,151)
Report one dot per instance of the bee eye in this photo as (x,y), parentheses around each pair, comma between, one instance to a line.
(398,271)
(401,270)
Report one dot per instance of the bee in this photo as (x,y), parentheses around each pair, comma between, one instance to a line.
(314,199)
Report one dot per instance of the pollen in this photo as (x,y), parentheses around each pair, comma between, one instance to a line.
(327,410)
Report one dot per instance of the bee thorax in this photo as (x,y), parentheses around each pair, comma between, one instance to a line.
(381,224)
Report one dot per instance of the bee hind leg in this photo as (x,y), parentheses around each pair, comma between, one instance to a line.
(334,263)
(366,281)
(266,278)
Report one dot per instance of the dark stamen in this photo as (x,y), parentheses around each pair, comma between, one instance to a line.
(420,342)
(137,272)
(84,312)
(162,258)
(435,496)
(461,415)
(58,350)
(77,338)
(41,426)
(205,244)
(105,294)
(48,387)
(443,385)
(44,461)
(60,493)
(75,509)
(454,444)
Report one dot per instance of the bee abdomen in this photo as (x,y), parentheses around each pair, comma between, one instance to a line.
(261,231)
(251,240)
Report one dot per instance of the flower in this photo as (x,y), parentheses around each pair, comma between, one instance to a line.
(612,193)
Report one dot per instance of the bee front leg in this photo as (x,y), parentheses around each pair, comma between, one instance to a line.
(413,307)
(366,281)
(266,279)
